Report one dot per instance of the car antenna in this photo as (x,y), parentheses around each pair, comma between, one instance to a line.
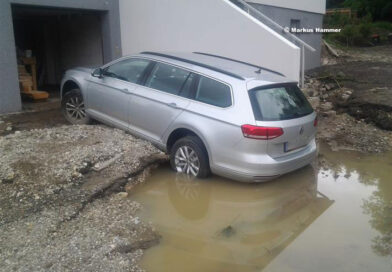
(258,71)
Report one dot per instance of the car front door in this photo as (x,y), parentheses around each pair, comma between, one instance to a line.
(154,106)
(109,95)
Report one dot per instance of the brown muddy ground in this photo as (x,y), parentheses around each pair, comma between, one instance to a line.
(31,120)
(358,75)
(353,96)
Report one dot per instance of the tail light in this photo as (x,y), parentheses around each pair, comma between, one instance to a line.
(315,122)
(261,133)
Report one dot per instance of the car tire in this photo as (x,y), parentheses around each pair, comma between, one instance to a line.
(189,156)
(72,106)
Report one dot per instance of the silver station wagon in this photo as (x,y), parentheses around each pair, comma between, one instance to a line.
(209,113)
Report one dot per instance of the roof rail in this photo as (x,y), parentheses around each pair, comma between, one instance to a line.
(238,61)
(195,63)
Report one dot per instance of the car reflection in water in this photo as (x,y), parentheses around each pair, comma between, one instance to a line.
(219,225)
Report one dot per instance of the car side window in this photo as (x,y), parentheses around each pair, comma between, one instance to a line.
(167,78)
(129,70)
(213,92)
(186,90)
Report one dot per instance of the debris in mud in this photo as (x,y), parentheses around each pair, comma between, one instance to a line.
(149,240)
(228,232)
(102,165)
(31,120)
(358,81)
(374,105)
(334,102)
(55,212)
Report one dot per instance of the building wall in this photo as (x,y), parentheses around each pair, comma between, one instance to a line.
(9,87)
(283,16)
(212,26)
(314,6)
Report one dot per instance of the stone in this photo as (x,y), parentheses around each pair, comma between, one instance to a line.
(315,102)
(348,92)
(327,106)
(135,220)
(330,113)
(345,97)
(9,177)
(329,86)
(341,74)
(122,194)
(310,92)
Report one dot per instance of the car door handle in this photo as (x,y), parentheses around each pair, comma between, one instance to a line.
(173,105)
(127,91)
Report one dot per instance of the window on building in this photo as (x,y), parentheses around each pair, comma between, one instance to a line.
(295,23)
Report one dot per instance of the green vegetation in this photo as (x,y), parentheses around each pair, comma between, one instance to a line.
(371,25)
(380,10)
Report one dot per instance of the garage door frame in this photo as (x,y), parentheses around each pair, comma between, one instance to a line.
(10,99)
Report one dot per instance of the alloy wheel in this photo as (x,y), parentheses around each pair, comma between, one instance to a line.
(187,161)
(75,108)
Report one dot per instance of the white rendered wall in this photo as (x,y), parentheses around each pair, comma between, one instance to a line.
(316,6)
(211,26)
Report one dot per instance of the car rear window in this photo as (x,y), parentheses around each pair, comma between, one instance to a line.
(279,103)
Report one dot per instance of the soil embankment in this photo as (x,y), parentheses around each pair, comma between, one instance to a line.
(353,96)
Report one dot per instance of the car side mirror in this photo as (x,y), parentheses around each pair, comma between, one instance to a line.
(97,73)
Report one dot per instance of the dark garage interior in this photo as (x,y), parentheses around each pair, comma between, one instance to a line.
(54,40)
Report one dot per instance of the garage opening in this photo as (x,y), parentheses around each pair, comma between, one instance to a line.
(51,40)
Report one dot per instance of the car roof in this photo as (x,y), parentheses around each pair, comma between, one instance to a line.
(234,68)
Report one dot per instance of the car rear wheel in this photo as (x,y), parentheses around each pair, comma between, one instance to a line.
(189,156)
(73,108)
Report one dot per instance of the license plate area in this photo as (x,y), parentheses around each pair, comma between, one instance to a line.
(289,147)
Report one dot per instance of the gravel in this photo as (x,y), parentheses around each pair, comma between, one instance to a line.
(58,214)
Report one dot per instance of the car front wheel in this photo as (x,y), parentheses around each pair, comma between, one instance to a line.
(73,108)
(189,156)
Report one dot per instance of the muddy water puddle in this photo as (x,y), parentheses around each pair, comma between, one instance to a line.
(338,218)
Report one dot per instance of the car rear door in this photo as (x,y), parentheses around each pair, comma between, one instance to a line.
(284,107)
(154,106)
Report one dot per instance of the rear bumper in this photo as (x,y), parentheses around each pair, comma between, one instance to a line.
(270,168)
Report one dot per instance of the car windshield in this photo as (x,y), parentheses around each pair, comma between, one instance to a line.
(279,103)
